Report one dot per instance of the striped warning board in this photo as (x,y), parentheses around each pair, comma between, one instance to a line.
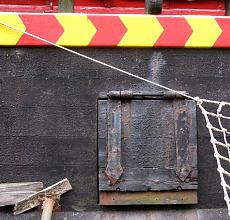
(116,30)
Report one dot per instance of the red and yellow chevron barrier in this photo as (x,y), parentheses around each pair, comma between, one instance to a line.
(116,30)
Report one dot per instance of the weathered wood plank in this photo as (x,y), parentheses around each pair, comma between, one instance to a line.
(145,141)
(156,198)
(40,151)
(149,145)
(11,193)
(45,121)
(136,154)
(145,179)
(32,201)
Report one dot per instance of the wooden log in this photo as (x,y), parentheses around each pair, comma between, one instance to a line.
(11,193)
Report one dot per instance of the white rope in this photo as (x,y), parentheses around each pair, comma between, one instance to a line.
(224,131)
(107,65)
(197,99)
(95,60)
(211,128)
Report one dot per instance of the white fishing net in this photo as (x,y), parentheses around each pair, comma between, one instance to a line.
(217,123)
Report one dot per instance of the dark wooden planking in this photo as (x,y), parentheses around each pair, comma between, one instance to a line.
(50,89)
(145,179)
(150,118)
(102,122)
(148,142)
(212,177)
(102,149)
(49,77)
(148,198)
(34,69)
(155,152)
(11,193)
(147,112)
(144,152)
(143,133)
(206,152)
(102,132)
(41,151)
(211,200)
(44,121)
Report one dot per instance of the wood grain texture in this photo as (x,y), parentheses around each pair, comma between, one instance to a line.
(46,78)
(146,179)
(156,198)
(11,193)
(150,143)
(32,201)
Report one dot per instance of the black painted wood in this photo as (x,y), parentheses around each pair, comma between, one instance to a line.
(48,78)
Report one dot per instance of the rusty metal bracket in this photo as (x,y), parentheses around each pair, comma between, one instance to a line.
(173,95)
(128,94)
(113,168)
(186,142)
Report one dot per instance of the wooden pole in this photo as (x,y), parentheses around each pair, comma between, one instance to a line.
(48,206)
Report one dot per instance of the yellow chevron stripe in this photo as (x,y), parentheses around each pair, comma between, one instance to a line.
(142,31)
(7,35)
(78,30)
(205,31)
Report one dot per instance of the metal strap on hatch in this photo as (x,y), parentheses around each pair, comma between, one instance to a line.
(113,168)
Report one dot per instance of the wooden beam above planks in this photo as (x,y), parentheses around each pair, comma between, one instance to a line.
(148,198)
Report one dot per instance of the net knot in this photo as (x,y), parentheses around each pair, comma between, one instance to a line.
(222,103)
(213,140)
(198,100)
(221,170)
(219,115)
(209,125)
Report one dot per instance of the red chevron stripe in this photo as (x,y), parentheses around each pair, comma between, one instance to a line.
(176,32)
(110,30)
(224,38)
(45,26)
